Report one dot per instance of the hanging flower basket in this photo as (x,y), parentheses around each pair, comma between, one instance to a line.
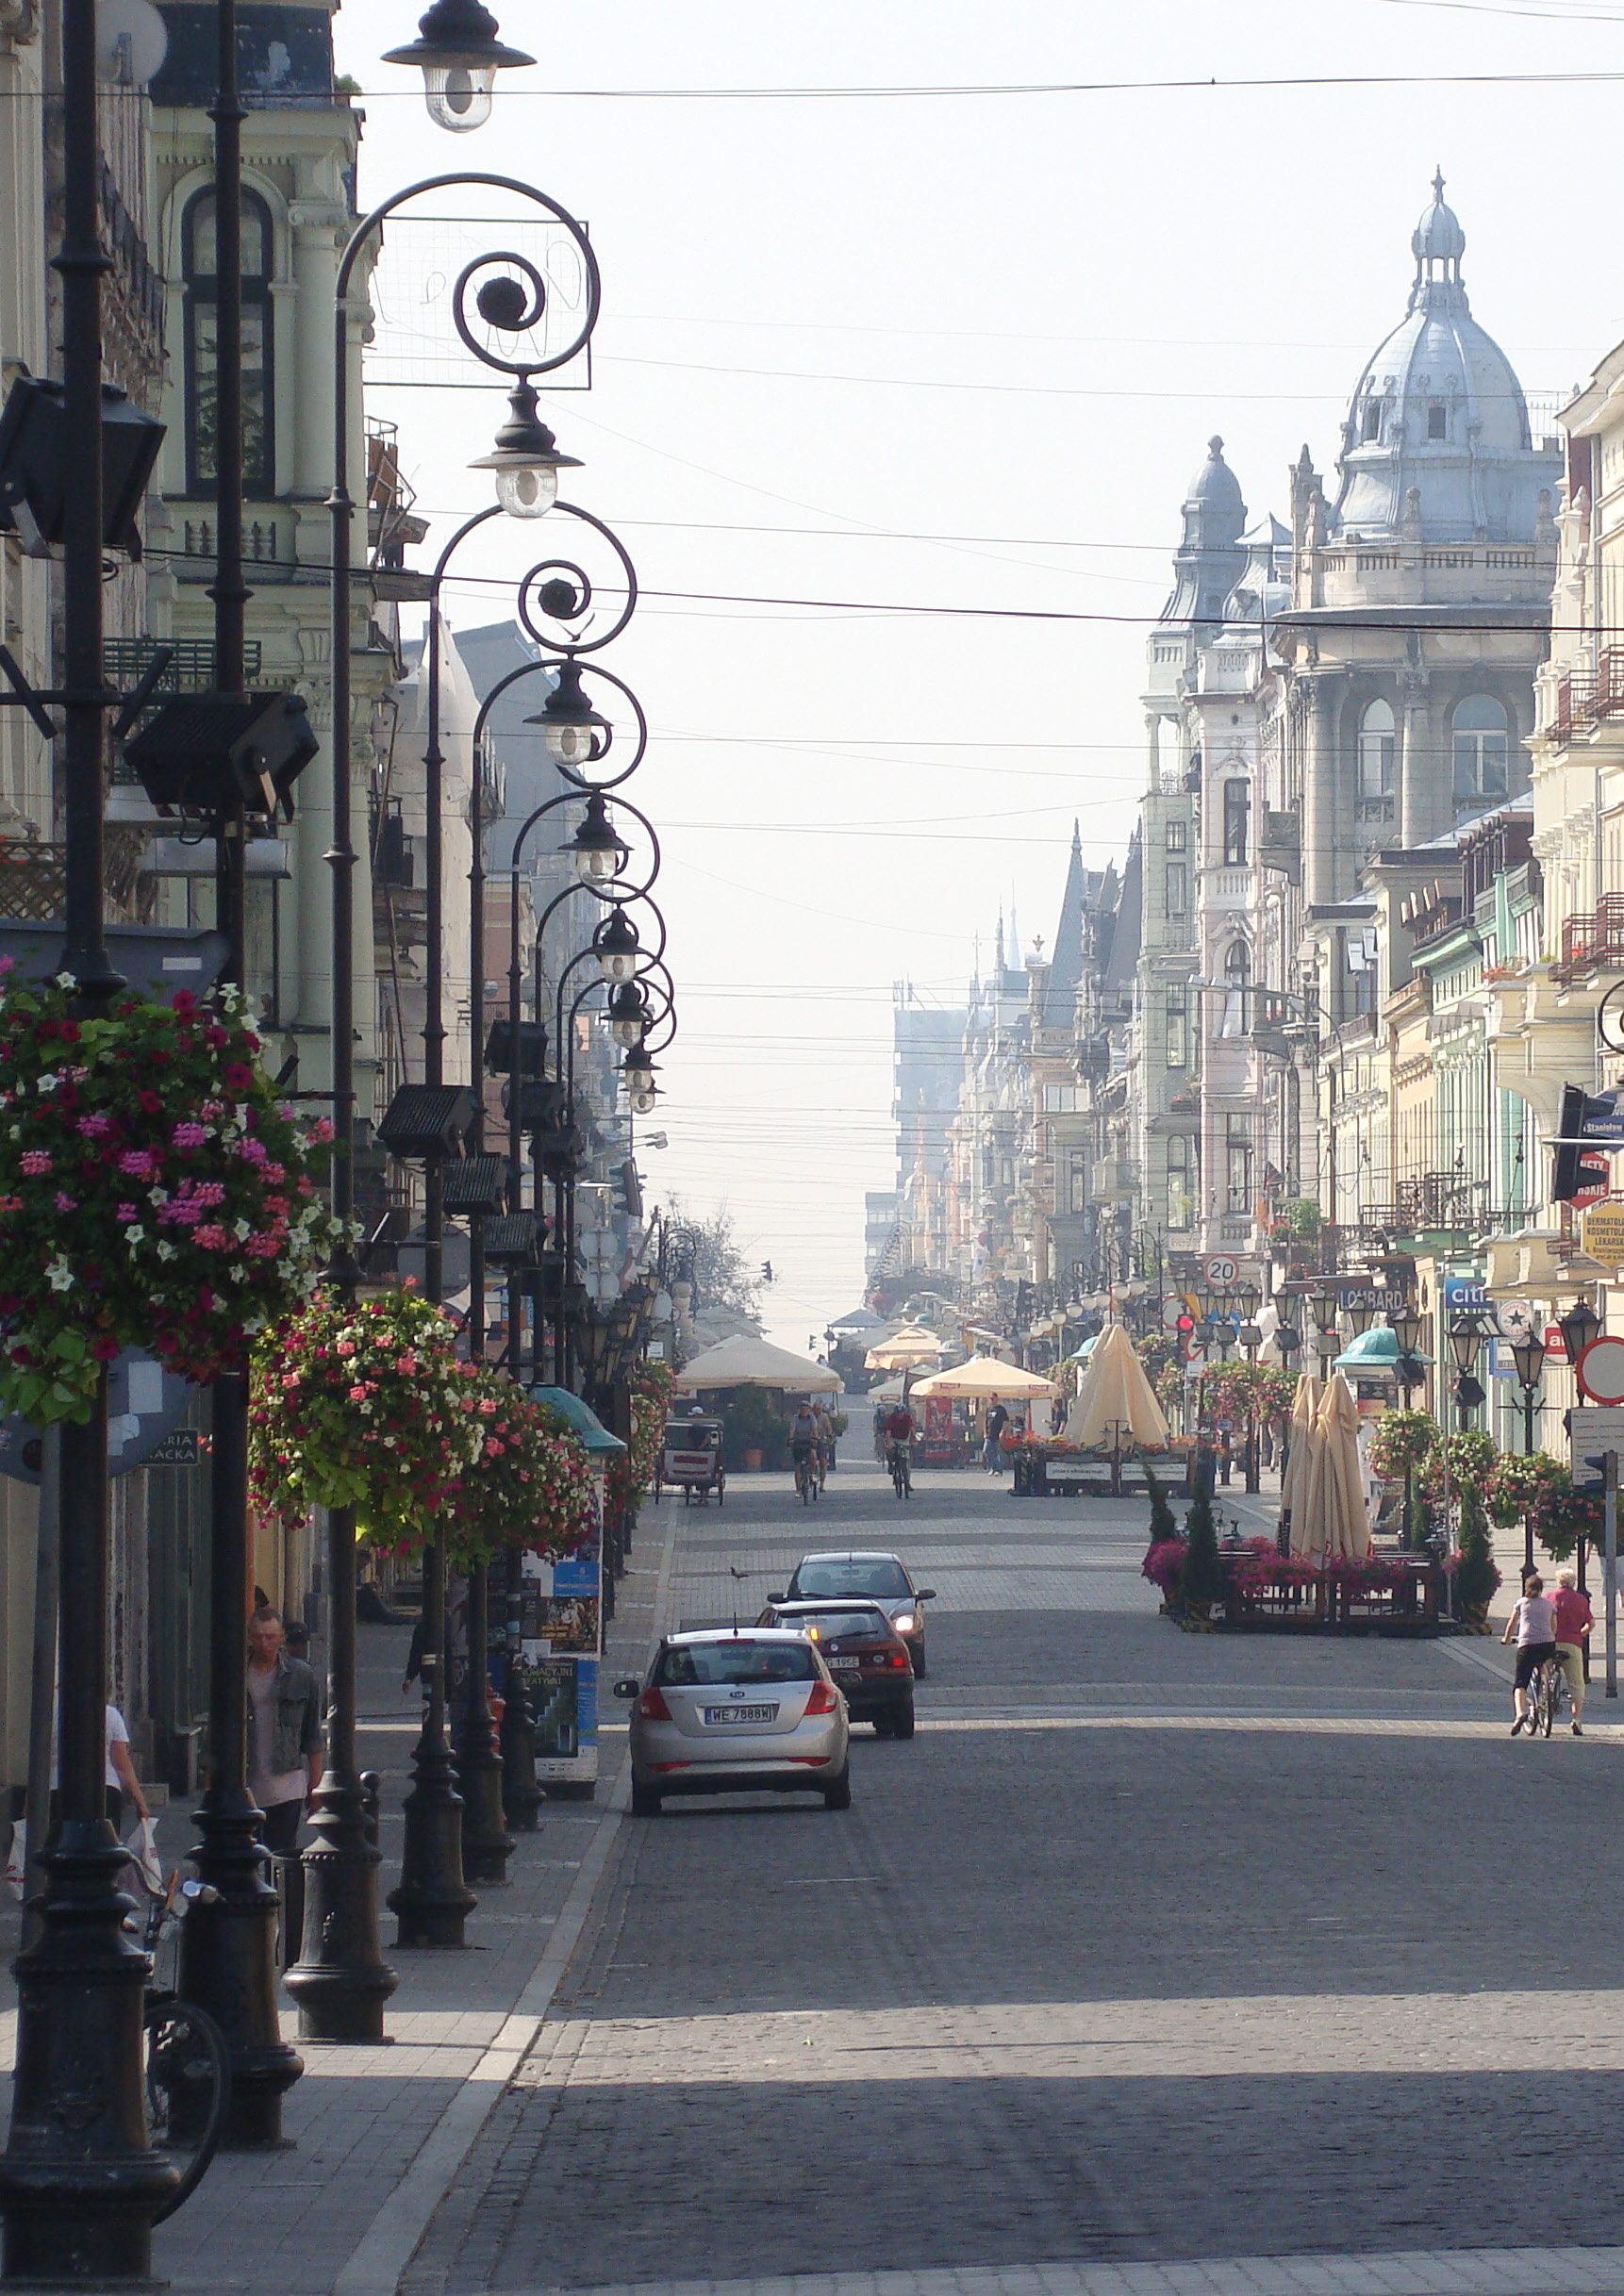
(631,1474)
(529,1483)
(1401,1441)
(153,1193)
(364,1406)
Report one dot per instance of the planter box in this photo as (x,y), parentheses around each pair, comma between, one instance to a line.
(1285,1604)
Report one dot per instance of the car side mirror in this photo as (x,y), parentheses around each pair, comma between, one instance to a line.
(925,1594)
(778,1599)
(628,1687)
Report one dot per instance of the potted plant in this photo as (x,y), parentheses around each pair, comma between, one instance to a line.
(1201,1577)
(753,1428)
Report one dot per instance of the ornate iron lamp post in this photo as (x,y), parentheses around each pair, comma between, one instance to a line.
(341,1981)
(1529,1357)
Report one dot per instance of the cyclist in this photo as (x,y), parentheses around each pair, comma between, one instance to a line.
(1533,1621)
(802,1441)
(900,1428)
(1574,1620)
(826,1426)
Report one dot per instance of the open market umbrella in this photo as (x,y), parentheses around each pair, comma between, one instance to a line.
(1115,1400)
(1294,1482)
(983,1377)
(744,1362)
(902,1350)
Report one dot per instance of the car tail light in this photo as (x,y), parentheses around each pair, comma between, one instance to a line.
(653,1707)
(899,1656)
(825,1699)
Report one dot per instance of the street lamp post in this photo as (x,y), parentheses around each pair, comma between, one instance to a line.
(81,2184)
(1466,1340)
(340,1980)
(1529,1357)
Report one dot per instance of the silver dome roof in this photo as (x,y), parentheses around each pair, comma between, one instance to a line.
(1436,446)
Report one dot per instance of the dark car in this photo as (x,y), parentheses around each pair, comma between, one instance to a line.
(866,1655)
(872,1576)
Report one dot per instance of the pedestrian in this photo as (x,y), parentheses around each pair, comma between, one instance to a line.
(1533,1621)
(1574,1620)
(284,1732)
(413,1659)
(118,1774)
(879,1433)
(1057,1412)
(992,1427)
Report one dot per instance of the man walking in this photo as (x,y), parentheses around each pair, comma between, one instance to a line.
(992,1455)
(284,1732)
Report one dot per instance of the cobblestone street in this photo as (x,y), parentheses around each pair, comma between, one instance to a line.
(1150,1947)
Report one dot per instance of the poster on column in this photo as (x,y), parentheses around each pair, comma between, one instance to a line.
(936,1448)
(561,1644)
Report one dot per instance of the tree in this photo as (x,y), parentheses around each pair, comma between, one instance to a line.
(1161,1523)
(1201,1581)
(706,1256)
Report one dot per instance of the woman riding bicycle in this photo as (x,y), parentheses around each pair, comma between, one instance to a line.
(1533,1621)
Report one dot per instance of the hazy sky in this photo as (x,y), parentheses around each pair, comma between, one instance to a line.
(960,353)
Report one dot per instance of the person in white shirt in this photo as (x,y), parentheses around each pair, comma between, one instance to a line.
(1533,1621)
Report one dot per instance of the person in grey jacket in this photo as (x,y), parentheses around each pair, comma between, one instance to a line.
(284,1732)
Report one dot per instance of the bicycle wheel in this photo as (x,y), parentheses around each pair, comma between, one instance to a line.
(187,2075)
(1552,1694)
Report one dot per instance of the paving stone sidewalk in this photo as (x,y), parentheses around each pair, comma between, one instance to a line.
(374,2132)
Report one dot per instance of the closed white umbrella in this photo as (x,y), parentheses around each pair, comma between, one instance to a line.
(1114,1403)
(1294,1483)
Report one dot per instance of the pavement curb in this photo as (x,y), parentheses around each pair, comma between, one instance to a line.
(392,2240)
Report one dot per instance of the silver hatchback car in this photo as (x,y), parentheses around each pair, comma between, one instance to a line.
(744,1709)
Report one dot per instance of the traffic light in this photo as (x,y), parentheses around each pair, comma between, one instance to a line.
(767,1271)
(631,1191)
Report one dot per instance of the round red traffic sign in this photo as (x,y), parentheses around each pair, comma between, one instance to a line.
(1601,1370)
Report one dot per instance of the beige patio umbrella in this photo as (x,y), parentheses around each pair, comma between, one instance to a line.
(985,1378)
(1115,1400)
(902,1350)
(1294,1483)
(1336,1521)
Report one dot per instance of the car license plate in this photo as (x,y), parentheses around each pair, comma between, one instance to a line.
(741,1714)
(853,1662)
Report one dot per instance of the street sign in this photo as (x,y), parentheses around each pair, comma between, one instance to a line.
(1594,1434)
(1604,1118)
(1610,1019)
(1601,1371)
(1380,1298)
(1603,1234)
(1555,1340)
(179,1448)
(1596,1182)
(1221,1271)
(1463,1292)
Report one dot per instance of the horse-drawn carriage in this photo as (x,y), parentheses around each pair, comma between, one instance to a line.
(690,1460)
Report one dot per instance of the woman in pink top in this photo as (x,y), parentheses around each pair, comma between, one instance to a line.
(1533,1621)
(1574,1620)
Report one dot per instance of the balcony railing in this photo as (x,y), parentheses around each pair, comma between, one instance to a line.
(33,881)
(1593,940)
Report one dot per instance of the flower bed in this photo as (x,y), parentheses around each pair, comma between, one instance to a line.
(153,1192)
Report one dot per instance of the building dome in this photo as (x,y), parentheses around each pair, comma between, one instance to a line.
(1209,560)
(1215,497)
(1438,238)
(1436,446)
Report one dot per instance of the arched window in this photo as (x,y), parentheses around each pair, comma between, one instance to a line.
(1236,981)
(1378,751)
(1236,817)
(1481,748)
(197,258)
(1372,420)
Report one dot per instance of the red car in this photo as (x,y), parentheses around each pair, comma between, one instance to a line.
(866,1655)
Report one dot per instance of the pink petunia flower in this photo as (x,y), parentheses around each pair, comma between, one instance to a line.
(35,1161)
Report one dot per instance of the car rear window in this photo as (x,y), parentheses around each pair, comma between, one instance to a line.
(829,1625)
(887,1579)
(740,1660)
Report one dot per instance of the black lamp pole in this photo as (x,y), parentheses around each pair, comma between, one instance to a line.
(432,1900)
(80,2184)
(228,1951)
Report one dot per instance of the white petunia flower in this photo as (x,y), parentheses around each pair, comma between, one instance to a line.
(59,1274)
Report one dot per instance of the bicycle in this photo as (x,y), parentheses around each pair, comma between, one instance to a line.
(902,1478)
(186,2067)
(806,1477)
(1546,1686)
